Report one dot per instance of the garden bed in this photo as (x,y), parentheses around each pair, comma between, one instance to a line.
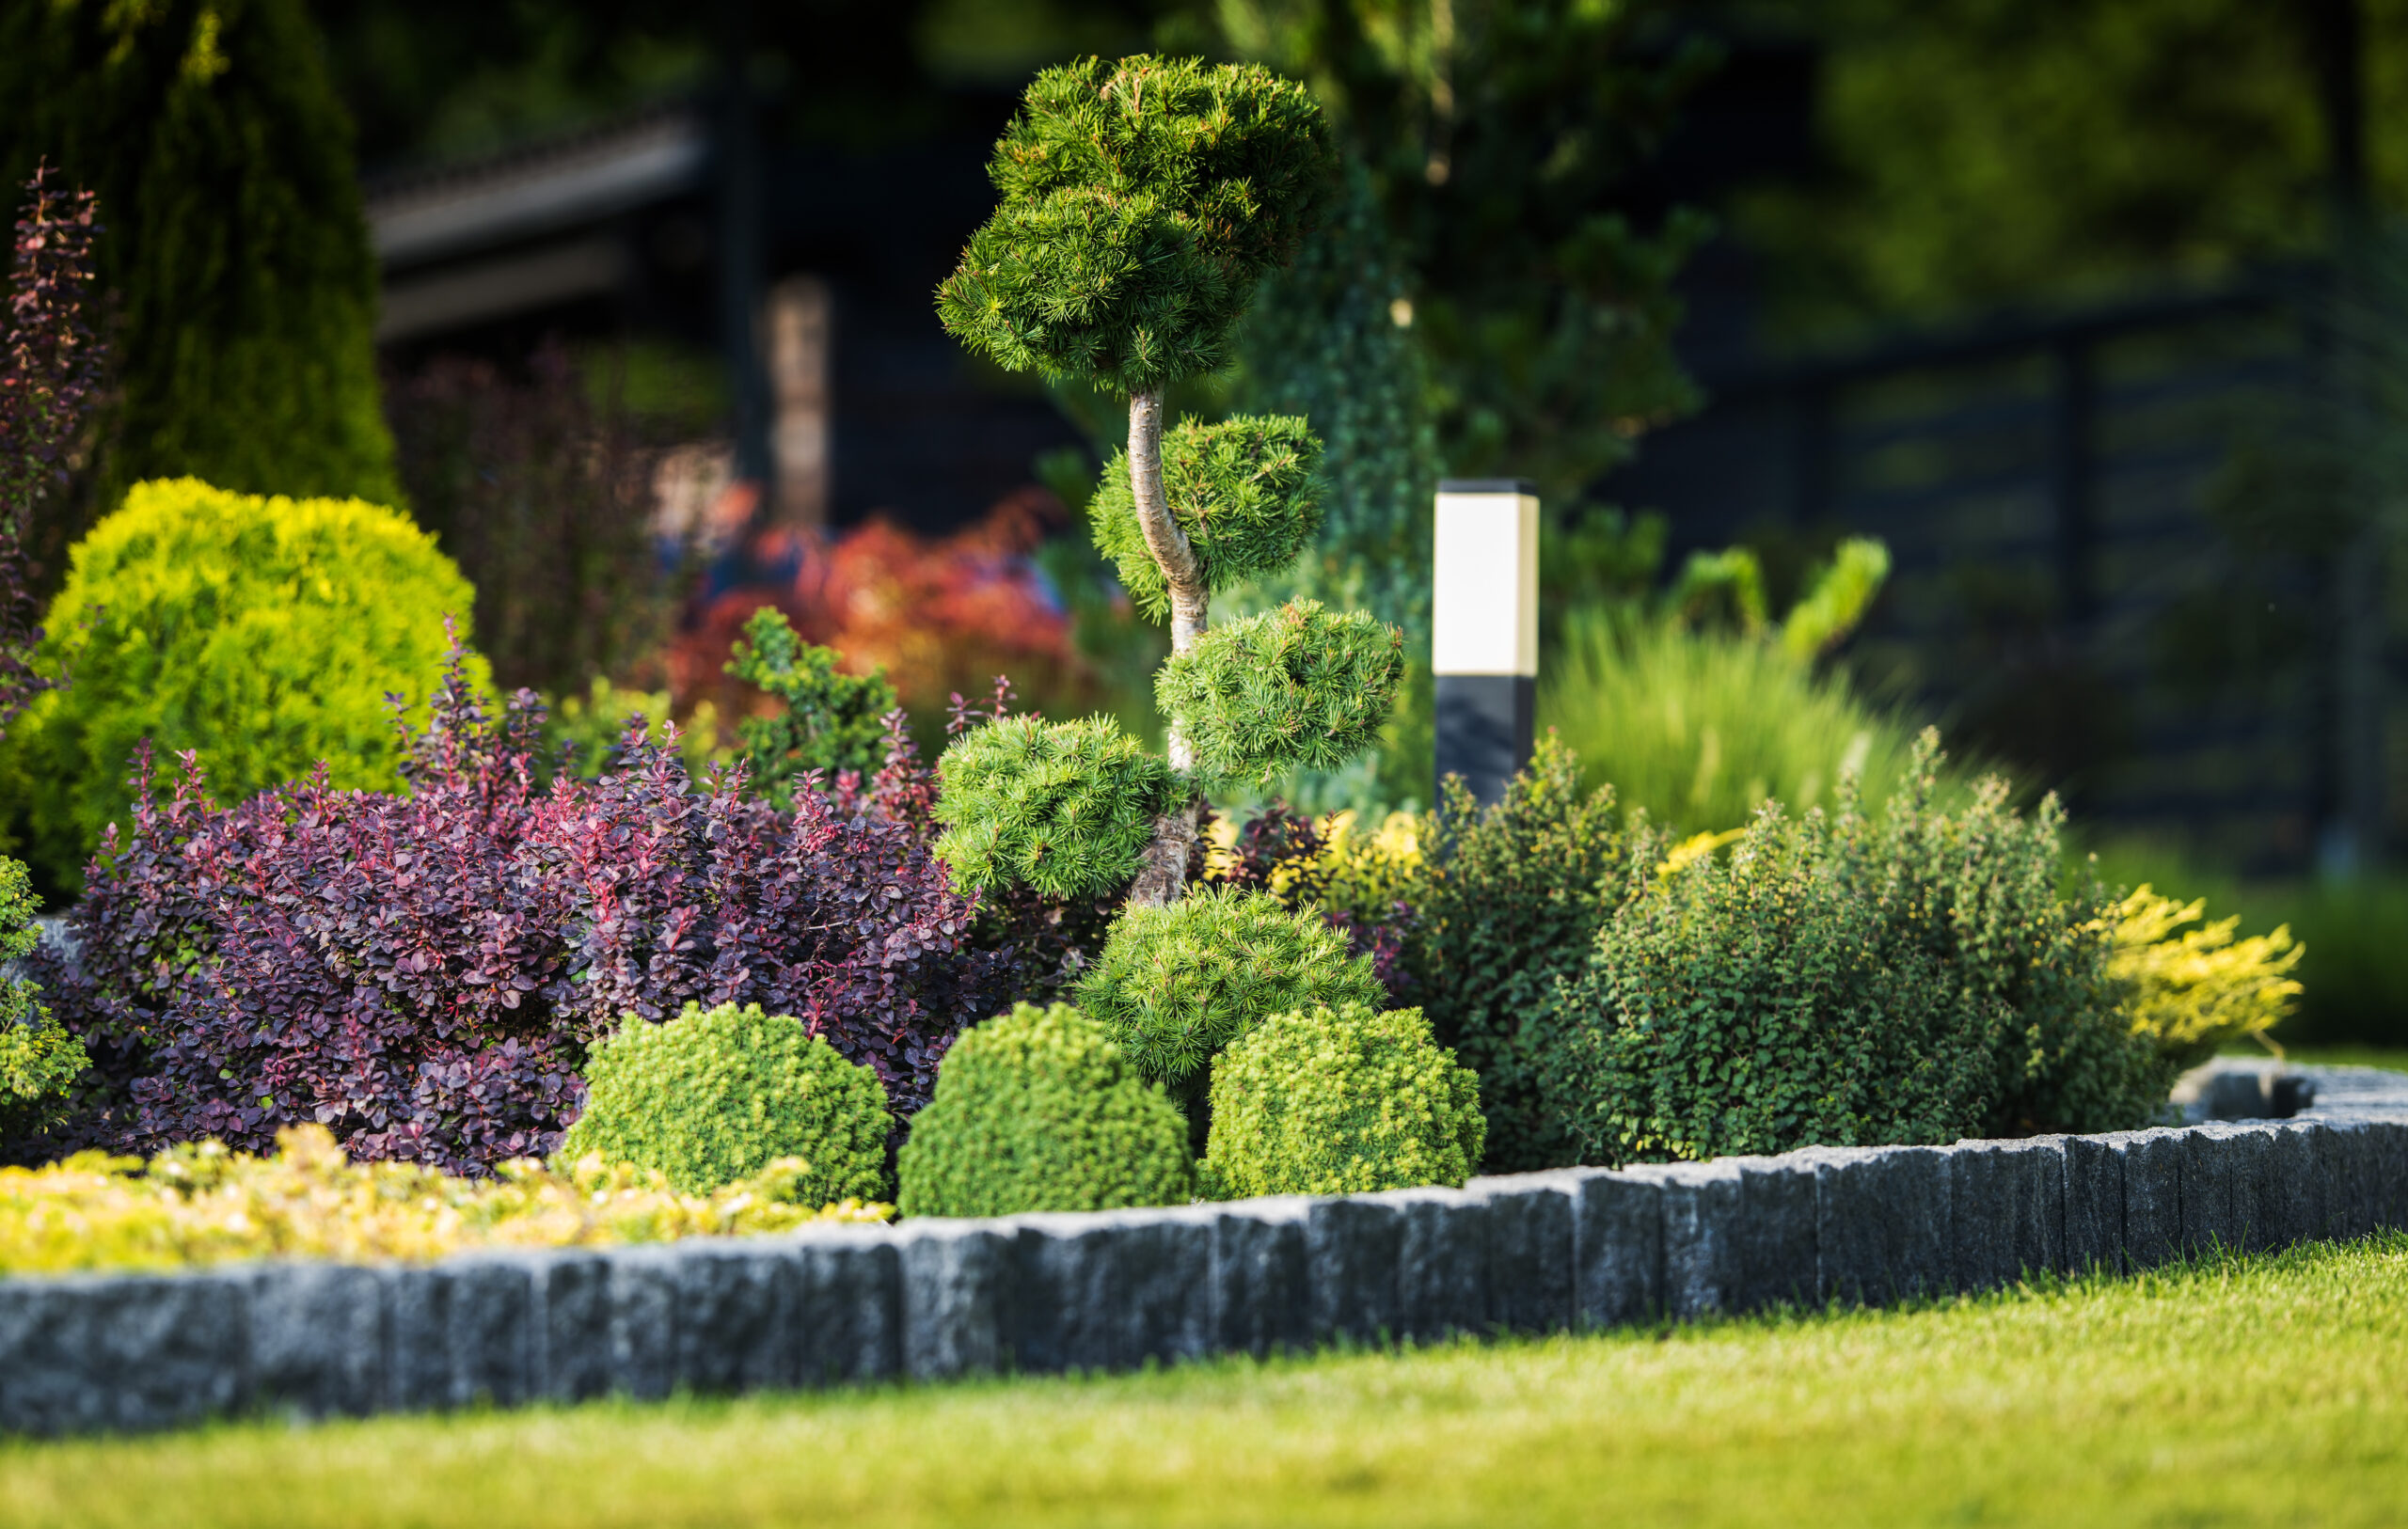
(931,1299)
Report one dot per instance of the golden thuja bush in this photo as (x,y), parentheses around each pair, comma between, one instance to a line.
(202,1204)
(2193,990)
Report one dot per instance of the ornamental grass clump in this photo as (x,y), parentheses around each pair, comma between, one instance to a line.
(1174,984)
(200,1204)
(715,1096)
(1038,1109)
(1340,1101)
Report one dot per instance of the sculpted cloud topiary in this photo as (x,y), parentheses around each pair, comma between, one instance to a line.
(265,633)
(1065,808)
(1174,984)
(1341,1101)
(1038,1109)
(1296,687)
(1245,491)
(716,1096)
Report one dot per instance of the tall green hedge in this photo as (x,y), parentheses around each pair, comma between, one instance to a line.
(235,248)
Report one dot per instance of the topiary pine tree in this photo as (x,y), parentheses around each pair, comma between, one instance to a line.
(1141,202)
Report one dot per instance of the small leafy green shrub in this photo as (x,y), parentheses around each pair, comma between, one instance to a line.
(1243,490)
(1038,1109)
(1297,687)
(38,1059)
(827,720)
(1840,982)
(714,1096)
(1510,900)
(2194,991)
(1341,1101)
(1063,808)
(1173,985)
(265,633)
(200,1204)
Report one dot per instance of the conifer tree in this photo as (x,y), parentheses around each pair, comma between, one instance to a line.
(1141,202)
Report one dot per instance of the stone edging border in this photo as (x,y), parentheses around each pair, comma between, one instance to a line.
(1534,1252)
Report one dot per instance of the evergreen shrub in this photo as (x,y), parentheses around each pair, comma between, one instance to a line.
(265,633)
(1341,1101)
(1062,808)
(1173,985)
(1038,1109)
(38,1058)
(1246,491)
(714,1096)
(2194,991)
(1297,687)
(1837,981)
(827,720)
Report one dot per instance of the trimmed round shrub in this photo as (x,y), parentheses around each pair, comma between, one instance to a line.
(264,633)
(1063,808)
(715,1096)
(1176,984)
(1244,490)
(1341,1101)
(1038,1109)
(1299,688)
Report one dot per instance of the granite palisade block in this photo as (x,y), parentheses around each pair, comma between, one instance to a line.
(2152,1175)
(1442,1263)
(644,1320)
(1776,1261)
(1164,1310)
(572,1332)
(2292,1203)
(1882,1223)
(491,1330)
(958,1298)
(1617,1249)
(1702,1222)
(2094,1220)
(2208,1190)
(1067,1293)
(2346,1163)
(122,1352)
(317,1339)
(418,1307)
(735,1297)
(1531,1218)
(1261,1275)
(1352,1248)
(2006,1210)
(848,1305)
(2390,1205)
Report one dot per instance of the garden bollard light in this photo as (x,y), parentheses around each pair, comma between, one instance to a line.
(1484,629)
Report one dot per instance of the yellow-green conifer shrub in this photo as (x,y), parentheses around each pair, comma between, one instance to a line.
(716,1096)
(1341,1101)
(264,633)
(1038,1109)
(2193,991)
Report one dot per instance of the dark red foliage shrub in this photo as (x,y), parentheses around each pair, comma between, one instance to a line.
(422,972)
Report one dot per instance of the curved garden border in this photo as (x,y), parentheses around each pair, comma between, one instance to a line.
(1534,1252)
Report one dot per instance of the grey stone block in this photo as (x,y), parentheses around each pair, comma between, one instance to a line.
(317,1339)
(848,1318)
(2390,1155)
(1067,1292)
(492,1330)
(1442,1263)
(956,1297)
(572,1359)
(2094,1220)
(1777,1244)
(1531,1221)
(2292,1202)
(1261,1276)
(418,1371)
(1617,1249)
(2258,1214)
(642,1294)
(734,1300)
(2152,1175)
(1702,1218)
(121,1353)
(1166,1310)
(1882,1223)
(2208,1190)
(2006,1210)
(1352,1249)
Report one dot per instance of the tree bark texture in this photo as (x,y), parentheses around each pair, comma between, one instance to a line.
(1162,876)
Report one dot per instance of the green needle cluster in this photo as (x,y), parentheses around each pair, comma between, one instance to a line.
(1064,808)
(1295,688)
(1246,490)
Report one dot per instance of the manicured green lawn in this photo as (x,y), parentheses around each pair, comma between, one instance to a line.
(2237,1392)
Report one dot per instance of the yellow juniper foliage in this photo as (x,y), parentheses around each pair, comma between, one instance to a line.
(203,1205)
(2194,990)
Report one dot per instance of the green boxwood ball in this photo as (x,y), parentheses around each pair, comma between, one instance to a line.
(1341,1101)
(1173,985)
(1036,1109)
(1246,490)
(1064,808)
(713,1096)
(1293,688)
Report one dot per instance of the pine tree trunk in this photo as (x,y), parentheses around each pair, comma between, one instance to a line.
(1162,876)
